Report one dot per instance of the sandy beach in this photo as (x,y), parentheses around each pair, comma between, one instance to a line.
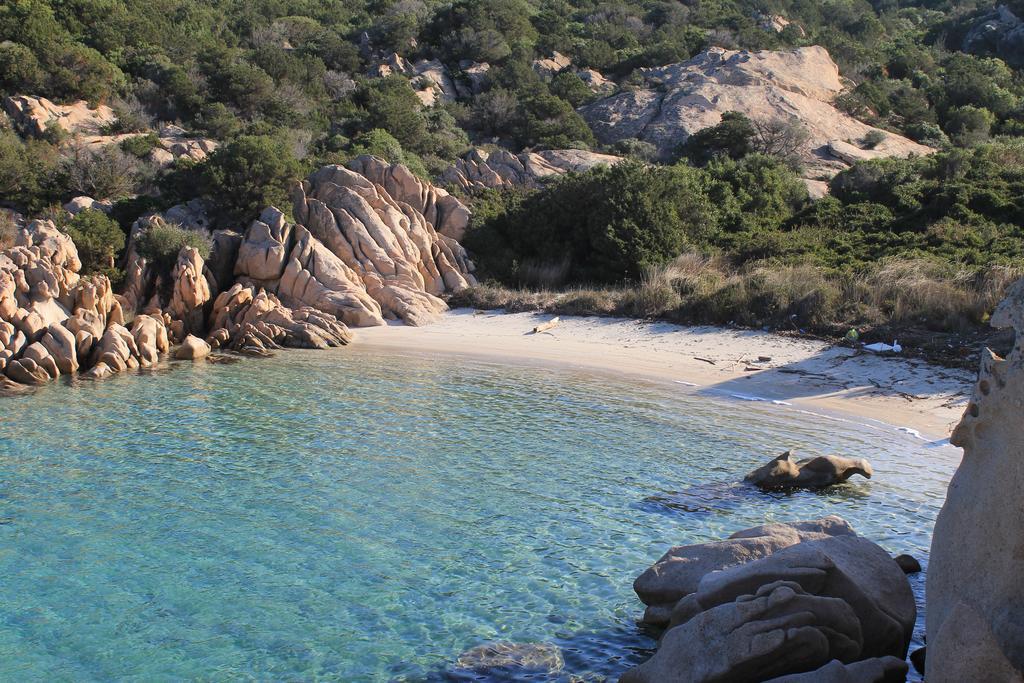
(743,364)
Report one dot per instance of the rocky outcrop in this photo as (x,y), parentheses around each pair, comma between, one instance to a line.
(678,100)
(785,472)
(775,601)
(429,78)
(54,322)
(975,598)
(82,203)
(252,321)
(481,170)
(382,243)
(999,33)
(191,291)
(551,66)
(364,250)
(474,78)
(35,115)
(447,215)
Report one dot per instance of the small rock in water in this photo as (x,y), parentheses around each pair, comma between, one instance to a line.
(539,657)
(908,564)
(825,470)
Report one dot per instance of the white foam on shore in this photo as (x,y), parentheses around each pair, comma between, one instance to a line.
(685,384)
(747,397)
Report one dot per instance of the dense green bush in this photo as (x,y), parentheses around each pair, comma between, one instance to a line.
(606,225)
(161,244)
(99,240)
(245,176)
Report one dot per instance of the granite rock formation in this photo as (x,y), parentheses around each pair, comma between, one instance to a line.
(54,322)
(678,100)
(975,597)
(778,600)
(35,115)
(785,472)
(480,170)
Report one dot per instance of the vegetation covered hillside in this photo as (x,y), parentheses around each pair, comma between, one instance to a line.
(286,85)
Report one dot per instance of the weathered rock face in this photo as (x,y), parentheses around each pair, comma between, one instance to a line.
(34,115)
(681,99)
(975,594)
(54,322)
(429,78)
(480,169)
(999,33)
(381,243)
(192,290)
(447,215)
(786,472)
(765,608)
(551,66)
(255,322)
(679,572)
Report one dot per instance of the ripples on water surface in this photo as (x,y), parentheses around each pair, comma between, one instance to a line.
(354,515)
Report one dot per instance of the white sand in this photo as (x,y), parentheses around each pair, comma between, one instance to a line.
(906,393)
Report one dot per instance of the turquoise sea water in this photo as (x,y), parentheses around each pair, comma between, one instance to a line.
(360,516)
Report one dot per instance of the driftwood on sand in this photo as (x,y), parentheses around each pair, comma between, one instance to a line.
(544,327)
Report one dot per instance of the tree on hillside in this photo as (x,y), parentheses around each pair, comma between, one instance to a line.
(248,174)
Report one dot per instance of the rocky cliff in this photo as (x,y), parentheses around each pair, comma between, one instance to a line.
(975,595)
(678,100)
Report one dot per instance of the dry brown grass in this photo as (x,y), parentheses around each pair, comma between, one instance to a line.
(700,290)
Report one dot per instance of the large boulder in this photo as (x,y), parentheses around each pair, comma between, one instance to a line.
(680,570)
(789,610)
(192,348)
(975,608)
(678,100)
(785,472)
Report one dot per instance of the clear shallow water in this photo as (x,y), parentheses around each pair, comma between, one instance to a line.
(354,516)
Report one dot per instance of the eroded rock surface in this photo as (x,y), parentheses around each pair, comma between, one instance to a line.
(480,169)
(681,99)
(975,616)
(778,600)
(786,472)
(35,115)
(54,322)
(381,244)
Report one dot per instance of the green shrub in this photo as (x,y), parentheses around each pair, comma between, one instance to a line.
(609,224)
(161,244)
(245,176)
(140,145)
(380,143)
(99,241)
